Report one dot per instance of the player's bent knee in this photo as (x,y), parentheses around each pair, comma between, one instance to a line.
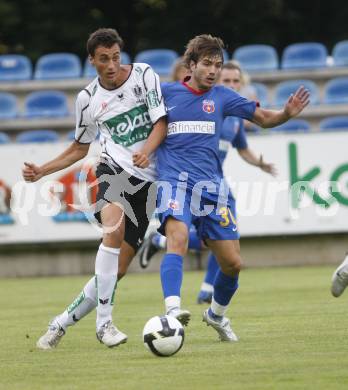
(231,265)
(177,242)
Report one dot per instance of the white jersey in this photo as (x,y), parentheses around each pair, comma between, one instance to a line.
(124,117)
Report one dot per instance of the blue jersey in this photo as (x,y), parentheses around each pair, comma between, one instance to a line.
(195,122)
(232,133)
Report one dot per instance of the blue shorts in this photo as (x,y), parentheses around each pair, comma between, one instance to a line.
(214,217)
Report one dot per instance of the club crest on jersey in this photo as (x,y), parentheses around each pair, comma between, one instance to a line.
(173,204)
(104,106)
(208,106)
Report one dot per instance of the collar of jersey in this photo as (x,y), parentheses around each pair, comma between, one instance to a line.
(195,91)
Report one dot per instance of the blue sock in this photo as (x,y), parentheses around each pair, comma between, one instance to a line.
(171,274)
(224,288)
(212,268)
(194,241)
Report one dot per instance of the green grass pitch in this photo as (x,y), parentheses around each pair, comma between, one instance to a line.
(293,335)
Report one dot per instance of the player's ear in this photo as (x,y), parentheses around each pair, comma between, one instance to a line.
(91,59)
(193,65)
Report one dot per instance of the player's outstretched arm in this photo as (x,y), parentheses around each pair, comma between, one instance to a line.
(73,153)
(156,137)
(294,106)
(250,157)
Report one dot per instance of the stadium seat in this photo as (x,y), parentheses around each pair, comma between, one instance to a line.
(161,60)
(90,72)
(70,136)
(58,66)
(257,57)
(293,126)
(4,138)
(309,55)
(225,54)
(15,67)
(336,91)
(261,93)
(46,104)
(37,136)
(340,54)
(334,123)
(8,105)
(284,89)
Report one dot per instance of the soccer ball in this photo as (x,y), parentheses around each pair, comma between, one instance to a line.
(163,335)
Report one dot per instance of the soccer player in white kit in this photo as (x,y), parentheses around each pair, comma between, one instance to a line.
(124,103)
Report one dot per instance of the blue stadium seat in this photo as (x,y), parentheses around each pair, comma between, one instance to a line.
(90,72)
(46,104)
(261,93)
(37,136)
(4,138)
(336,91)
(334,123)
(286,88)
(161,60)
(15,67)
(71,136)
(8,105)
(257,57)
(309,55)
(340,54)
(58,66)
(293,126)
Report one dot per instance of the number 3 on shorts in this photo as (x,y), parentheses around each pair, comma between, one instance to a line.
(227,217)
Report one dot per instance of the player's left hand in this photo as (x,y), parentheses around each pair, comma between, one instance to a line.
(140,159)
(268,167)
(297,102)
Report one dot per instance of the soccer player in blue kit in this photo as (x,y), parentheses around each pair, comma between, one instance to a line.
(190,179)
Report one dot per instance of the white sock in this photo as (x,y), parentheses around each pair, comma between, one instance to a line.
(217,309)
(85,302)
(172,302)
(207,287)
(106,267)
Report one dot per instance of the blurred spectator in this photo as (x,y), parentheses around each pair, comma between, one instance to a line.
(180,71)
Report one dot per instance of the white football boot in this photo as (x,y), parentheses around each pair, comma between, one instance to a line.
(52,337)
(183,316)
(223,327)
(109,335)
(340,278)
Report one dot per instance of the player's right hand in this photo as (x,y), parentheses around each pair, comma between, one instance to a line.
(31,172)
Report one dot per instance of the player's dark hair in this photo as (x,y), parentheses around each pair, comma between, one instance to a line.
(202,46)
(105,37)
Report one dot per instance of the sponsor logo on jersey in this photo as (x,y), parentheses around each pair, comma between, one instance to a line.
(194,127)
(173,204)
(130,127)
(208,106)
(152,99)
(120,96)
(137,91)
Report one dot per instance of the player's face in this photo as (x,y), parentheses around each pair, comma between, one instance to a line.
(107,61)
(230,78)
(206,72)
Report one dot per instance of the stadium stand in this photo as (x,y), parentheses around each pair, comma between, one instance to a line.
(261,93)
(58,66)
(308,55)
(4,138)
(70,136)
(334,123)
(161,60)
(340,54)
(46,104)
(15,67)
(293,126)
(257,57)
(8,105)
(336,91)
(286,88)
(37,136)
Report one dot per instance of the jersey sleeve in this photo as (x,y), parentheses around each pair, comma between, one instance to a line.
(240,140)
(86,129)
(236,105)
(154,98)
